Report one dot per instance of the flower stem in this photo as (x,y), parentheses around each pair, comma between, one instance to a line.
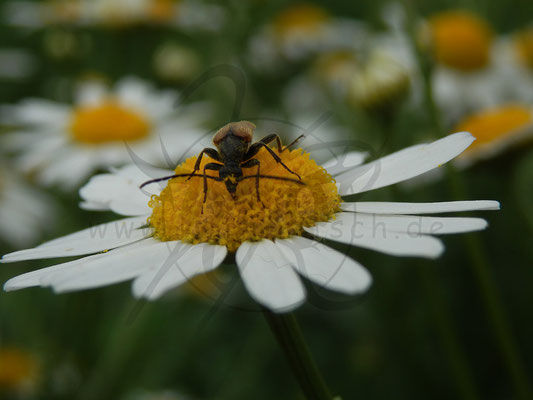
(479,262)
(287,331)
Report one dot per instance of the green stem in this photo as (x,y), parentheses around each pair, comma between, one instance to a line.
(478,260)
(289,336)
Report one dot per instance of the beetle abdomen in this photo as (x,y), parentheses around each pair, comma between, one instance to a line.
(241,129)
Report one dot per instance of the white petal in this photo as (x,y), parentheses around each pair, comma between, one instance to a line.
(33,278)
(268,276)
(69,170)
(344,162)
(412,224)
(93,206)
(41,277)
(108,229)
(97,238)
(348,230)
(38,112)
(382,207)
(182,263)
(324,265)
(90,93)
(403,165)
(133,91)
(41,151)
(120,190)
(119,195)
(113,268)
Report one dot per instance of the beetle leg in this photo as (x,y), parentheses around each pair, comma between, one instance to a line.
(211,153)
(268,139)
(254,149)
(251,163)
(212,167)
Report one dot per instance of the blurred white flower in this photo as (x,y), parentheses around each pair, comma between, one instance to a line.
(496,129)
(173,62)
(299,32)
(62,144)
(379,83)
(467,77)
(513,54)
(25,212)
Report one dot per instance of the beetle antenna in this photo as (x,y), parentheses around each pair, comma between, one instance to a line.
(166,178)
(279,178)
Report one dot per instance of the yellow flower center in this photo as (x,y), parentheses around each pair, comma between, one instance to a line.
(161,10)
(288,206)
(461,40)
(300,18)
(17,368)
(524,46)
(108,122)
(495,124)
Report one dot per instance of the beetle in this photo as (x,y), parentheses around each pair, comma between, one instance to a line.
(234,152)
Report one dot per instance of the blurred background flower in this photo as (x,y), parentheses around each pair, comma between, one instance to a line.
(62,144)
(19,373)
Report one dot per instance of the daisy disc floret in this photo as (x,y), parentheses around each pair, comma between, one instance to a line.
(261,208)
(460,40)
(108,122)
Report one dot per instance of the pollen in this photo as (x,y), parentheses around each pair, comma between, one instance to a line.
(284,210)
(495,124)
(524,46)
(108,122)
(460,40)
(300,18)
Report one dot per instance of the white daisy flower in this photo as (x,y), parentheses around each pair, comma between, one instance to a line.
(514,56)
(275,229)
(300,31)
(25,212)
(63,144)
(187,15)
(467,76)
